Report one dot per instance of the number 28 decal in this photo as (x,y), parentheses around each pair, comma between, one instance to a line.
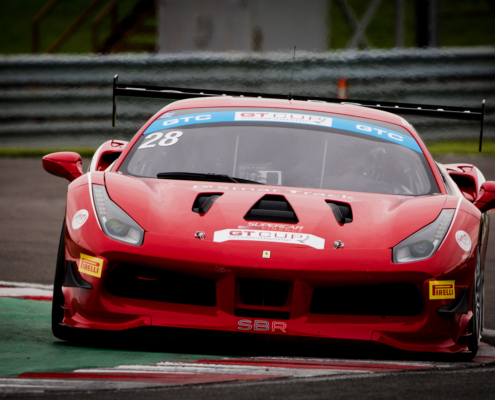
(169,139)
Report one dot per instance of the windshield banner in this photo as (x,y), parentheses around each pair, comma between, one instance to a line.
(169,121)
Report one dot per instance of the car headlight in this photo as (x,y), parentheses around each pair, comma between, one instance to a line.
(114,221)
(425,242)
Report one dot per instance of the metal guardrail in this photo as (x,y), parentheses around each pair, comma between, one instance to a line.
(67,98)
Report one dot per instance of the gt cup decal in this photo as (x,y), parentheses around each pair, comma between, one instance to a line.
(269,236)
(442,290)
(283,117)
(463,240)
(79,219)
(90,265)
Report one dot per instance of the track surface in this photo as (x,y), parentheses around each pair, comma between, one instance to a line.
(32,206)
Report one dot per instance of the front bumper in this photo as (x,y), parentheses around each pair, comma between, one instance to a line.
(305,269)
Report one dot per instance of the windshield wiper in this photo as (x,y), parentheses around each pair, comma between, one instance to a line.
(192,176)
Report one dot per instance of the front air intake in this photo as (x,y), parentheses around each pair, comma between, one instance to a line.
(397,299)
(341,211)
(145,283)
(272,208)
(204,201)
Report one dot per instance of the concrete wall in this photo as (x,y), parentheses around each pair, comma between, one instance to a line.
(241,25)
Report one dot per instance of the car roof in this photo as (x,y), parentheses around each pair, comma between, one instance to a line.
(344,109)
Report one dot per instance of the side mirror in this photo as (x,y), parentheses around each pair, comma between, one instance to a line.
(66,164)
(486,199)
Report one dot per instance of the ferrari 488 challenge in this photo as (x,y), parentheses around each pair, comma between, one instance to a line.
(248,213)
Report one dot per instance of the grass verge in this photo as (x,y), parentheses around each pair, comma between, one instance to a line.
(461,147)
(436,149)
(40,152)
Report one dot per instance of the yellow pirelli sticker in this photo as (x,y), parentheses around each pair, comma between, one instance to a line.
(442,290)
(90,265)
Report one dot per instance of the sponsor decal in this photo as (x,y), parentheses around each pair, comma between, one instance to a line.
(266,254)
(463,240)
(269,236)
(90,265)
(285,117)
(272,227)
(261,325)
(442,290)
(79,219)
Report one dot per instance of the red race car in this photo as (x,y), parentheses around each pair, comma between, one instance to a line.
(281,216)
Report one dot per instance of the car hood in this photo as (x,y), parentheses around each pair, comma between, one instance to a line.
(165,206)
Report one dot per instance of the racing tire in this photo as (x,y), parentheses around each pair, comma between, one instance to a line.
(476,323)
(61,331)
(477,305)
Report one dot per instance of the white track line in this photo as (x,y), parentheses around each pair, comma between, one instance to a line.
(359,361)
(24,292)
(197,368)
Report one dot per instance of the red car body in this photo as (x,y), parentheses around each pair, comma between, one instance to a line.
(355,275)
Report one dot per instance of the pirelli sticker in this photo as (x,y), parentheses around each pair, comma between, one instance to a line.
(442,290)
(90,265)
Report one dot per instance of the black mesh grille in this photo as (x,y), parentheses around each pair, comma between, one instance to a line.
(136,282)
(246,312)
(402,299)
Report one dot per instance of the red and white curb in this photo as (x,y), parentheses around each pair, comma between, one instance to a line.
(170,373)
(26,291)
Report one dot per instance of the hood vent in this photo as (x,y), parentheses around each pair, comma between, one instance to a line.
(204,201)
(272,208)
(342,211)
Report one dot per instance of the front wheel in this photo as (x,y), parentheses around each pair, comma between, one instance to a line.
(59,330)
(477,306)
(476,323)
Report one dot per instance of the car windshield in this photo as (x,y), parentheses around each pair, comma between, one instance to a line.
(283,147)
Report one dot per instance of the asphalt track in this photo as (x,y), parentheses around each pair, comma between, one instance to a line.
(34,364)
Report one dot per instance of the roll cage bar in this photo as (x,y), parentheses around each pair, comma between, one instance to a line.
(422,110)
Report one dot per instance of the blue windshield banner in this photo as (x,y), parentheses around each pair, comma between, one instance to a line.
(171,122)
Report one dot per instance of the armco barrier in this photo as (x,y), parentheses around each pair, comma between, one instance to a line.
(66,100)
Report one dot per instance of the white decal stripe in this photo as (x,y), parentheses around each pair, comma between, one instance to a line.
(481,178)
(92,201)
(93,165)
(452,223)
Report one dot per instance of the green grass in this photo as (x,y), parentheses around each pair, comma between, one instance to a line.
(28,345)
(461,147)
(40,152)
(16,19)
(436,149)
(460,23)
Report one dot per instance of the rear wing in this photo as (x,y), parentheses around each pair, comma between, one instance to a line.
(423,110)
